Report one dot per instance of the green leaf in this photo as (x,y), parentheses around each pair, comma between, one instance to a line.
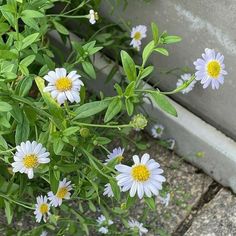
(27,60)
(147,51)
(6,54)
(24,70)
(53,106)
(150,202)
(146,72)
(32,14)
(53,181)
(115,189)
(91,206)
(58,145)
(129,91)
(103,140)
(113,109)
(129,106)
(155,33)
(91,108)
(60,28)
(162,101)
(163,51)
(172,39)
(25,86)
(8,211)
(130,201)
(89,69)
(4,27)
(71,130)
(5,107)
(22,130)
(128,66)
(27,41)
(31,22)
(118,89)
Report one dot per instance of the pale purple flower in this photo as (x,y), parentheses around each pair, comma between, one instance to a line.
(210,69)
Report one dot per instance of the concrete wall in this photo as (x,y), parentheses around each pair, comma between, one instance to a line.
(201,23)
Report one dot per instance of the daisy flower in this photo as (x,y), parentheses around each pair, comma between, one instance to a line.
(102,219)
(103,230)
(137,34)
(157,130)
(42,208)
(117,153)
(210,69)
(135,225)
(63,192)
(184,78)
(165,201)
(108,190)
(143,177)
(93,16)
(29,156)
(63,86)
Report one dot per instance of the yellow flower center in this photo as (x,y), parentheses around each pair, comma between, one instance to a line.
(137,36)
(140,173)
(61,193)
(213,69)
(63,84)
(43,208)
(30,161)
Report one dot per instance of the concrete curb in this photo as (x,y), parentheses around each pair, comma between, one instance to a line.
(193,135)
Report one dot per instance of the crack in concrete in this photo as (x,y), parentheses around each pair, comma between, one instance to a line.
(213,189)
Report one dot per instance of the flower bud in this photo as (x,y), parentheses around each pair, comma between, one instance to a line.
(139,121)
(84,132)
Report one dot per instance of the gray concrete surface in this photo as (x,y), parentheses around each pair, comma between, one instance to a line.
(217,218)
(202,24)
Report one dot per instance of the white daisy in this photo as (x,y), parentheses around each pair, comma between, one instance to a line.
(108,191)
(137,34)
(29,156)
(42,208)
(63,86)
(93,16)
(184,78)
(116,153)
(170,143)
(135,225)
(165,200)
(157,130)
(103,230)
(144,177)
(63,192)
(210,69)
(101,219)
(44,233)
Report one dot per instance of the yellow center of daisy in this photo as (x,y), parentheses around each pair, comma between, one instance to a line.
(43,208)
(137,36)
(63,84)
(213,69)
(61,193)
(30,161)
(140,173)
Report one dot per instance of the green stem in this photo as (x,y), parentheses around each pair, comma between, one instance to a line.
(68,16)
(19,203)
(103,126)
